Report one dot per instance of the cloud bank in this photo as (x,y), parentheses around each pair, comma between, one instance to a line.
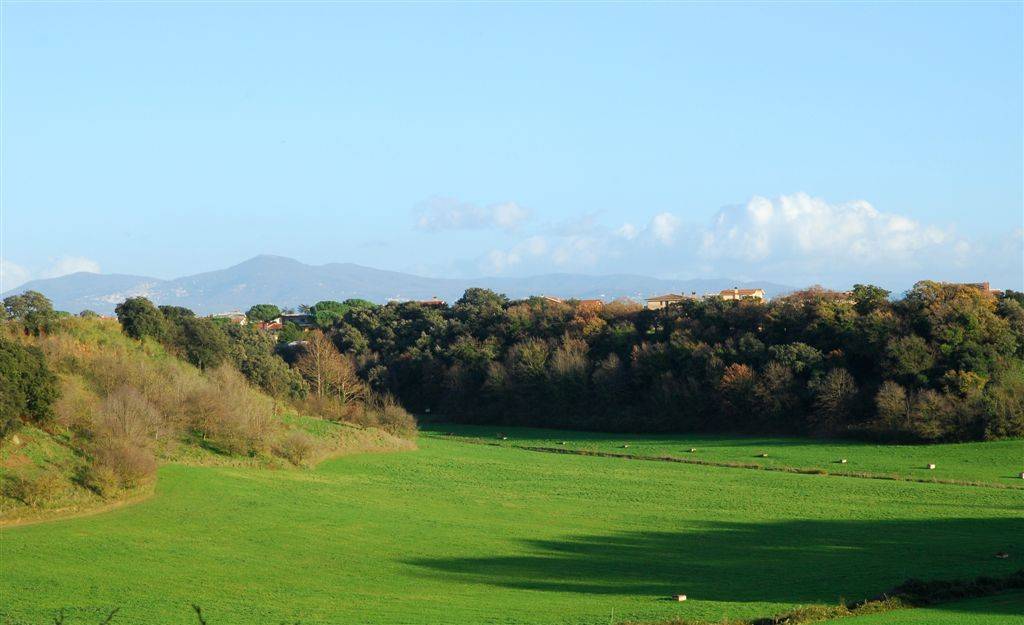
(799,226)
(797,238)
(13,275)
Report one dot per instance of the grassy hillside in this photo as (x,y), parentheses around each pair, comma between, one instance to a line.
(994,462)
(127,406)
(462,533)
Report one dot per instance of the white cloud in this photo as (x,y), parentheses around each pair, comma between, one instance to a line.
(579,252)
(500,261)
(450,214)
(794,239)
(627,231)
(799,227)
(13,275)
(664,227)
(540,254)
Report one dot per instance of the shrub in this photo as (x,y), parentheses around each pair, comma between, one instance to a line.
(296,447)
(129,464)
(35,490)
(391,417)
(77,406)
(165,383)
(102,480)
(128,417)
(230,415)
(27,386)
(330,408)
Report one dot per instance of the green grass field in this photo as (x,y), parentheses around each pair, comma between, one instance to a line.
(997,462)
(461,533)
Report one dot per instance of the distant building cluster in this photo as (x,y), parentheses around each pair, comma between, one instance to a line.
(984,288)
(664,301)
(734,294)
(235,316)
(302,320)
(581,304)
(657,302)
(434,302)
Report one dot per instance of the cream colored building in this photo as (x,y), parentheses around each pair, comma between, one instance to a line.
(664,301)
(738,294)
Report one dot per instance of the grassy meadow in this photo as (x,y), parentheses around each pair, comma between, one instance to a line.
(462,533)
(993,462)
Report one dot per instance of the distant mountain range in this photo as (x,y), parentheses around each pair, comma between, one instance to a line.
(288,283)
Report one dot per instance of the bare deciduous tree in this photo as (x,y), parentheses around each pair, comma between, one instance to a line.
(328,371)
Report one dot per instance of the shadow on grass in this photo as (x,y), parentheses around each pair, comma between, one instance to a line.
(798,562)
(1009,604)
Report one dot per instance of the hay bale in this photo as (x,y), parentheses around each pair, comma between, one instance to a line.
(931,466)
(693,450)
(562,443)
(1002,555)
(1022,476)
(763,455)
(625,446)
(679,597)
(842,461)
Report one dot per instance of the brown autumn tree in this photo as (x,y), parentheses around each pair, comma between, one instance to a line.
(328,371)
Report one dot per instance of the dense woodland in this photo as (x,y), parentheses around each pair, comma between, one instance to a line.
(944,362)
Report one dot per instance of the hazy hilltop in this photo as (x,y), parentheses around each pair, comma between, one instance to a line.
(288,282)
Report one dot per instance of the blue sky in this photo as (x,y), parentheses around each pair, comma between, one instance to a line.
(797,143)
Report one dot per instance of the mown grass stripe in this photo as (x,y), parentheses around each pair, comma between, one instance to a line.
(734,465)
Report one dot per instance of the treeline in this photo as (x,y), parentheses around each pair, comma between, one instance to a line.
(303,368)
(944,362)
